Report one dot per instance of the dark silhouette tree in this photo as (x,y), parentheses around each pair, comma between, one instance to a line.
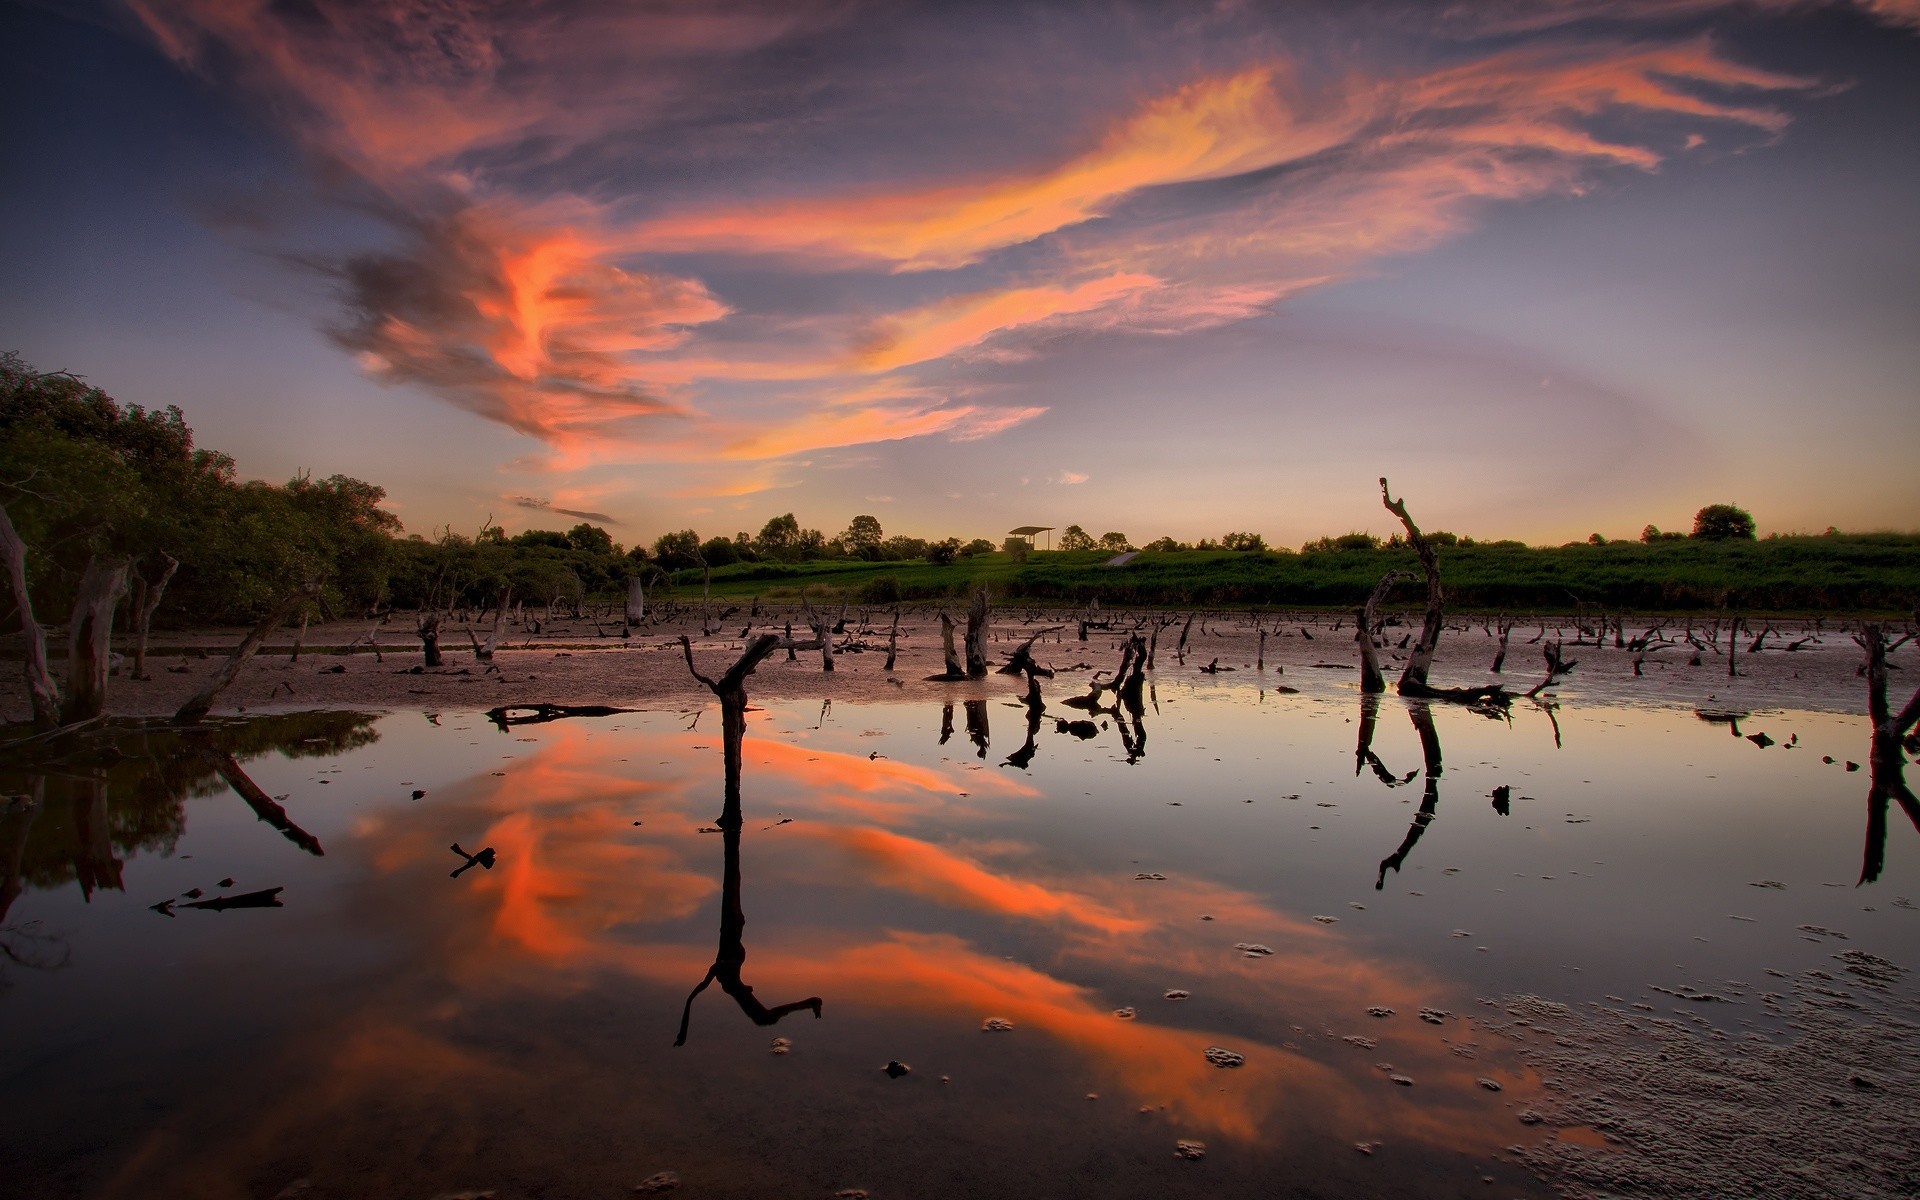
(1723,522)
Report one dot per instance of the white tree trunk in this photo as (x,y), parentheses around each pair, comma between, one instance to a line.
(90,638)
(40,686)
(636,603)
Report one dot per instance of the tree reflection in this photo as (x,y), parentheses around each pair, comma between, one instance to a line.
(732,952)
(1422,716)
(76,810)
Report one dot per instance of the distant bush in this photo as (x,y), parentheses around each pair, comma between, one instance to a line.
(881,589)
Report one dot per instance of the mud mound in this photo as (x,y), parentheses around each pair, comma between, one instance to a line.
(1829,1107)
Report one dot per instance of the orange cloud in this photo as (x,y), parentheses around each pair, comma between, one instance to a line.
(924,869)
(961,321)
(524,289)
(1208,129)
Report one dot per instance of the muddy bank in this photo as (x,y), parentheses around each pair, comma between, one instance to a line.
(581,663)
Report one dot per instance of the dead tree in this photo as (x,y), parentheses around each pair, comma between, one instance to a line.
(977,635)
(201,702)
(427,626)
(1500,655)
(90,638)
(484,651)
(1892,737)
(893,635)
(1556,667)
(44,693)
(300,635)
(955,671)
(731,956)
(1371,680)
(146,598)
(636,602)
(1020,662)
(1413,680)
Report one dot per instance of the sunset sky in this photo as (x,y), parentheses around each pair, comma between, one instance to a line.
(1555,267)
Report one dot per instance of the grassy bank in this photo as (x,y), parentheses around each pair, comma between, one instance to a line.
(1832,573)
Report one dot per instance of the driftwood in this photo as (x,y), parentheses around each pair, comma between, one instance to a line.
(508,716)
(201,701)
(44,693)
(1020,662)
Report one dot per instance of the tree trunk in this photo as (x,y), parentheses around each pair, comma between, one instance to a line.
(485,653)
(202,701)
(44,692)
(1500,656)
(1414,678)
(300,637)
(1372,682)
(893,638)
(954,669)
(977,636)
(731,954)
(90,638)
(428,628)
(150,594)
(636,603)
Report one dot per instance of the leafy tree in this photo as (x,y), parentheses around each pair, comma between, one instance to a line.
(677,551)
(901,546)
(943,552)
(719,552)
(1116,542)
(1075,538)
(863,532)
(976,546)
(1166,545)
(779,539)
(1721,522)
(1243,541)
(590,538)
(551,538)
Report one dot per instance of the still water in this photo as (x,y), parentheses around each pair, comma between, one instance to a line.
(1056,927)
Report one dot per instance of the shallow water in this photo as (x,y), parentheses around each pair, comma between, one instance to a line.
(388,1030)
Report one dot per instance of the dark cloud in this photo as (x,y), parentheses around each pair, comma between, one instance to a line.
(542,504)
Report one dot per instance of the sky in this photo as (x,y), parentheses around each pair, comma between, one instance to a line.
(1554,267)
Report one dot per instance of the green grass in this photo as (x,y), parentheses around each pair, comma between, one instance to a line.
(1832,573)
